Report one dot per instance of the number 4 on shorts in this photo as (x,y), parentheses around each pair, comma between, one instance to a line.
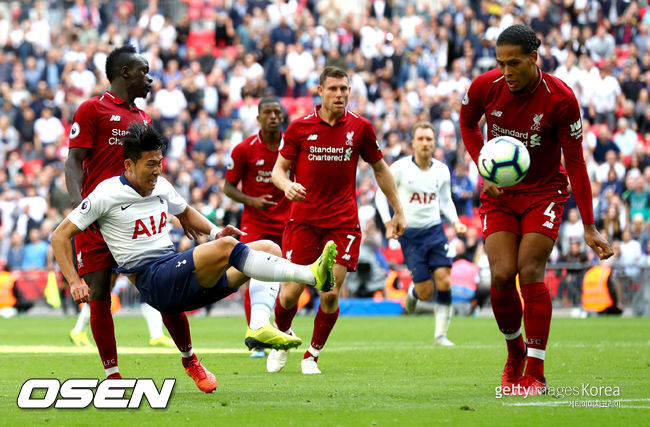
(550,214)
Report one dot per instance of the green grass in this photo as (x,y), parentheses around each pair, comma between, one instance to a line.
(376,371)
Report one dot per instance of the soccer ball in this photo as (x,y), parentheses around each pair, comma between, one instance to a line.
(504,161)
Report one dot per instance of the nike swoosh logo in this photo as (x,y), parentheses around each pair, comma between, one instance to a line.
(125,207)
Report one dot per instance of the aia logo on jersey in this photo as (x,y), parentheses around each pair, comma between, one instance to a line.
(349,137)
(537,119)
(141,228)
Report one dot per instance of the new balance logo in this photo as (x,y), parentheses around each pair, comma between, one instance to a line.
(496,113)
(179,263)
(548,224)
(115,118)
(260,162)
(312,137)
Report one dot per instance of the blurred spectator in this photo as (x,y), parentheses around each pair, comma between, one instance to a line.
(16,252)
(35,251)
(638,199)
(571,230)
(624,137)
(462,190)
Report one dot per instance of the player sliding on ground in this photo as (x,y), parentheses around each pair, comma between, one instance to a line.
(132,212)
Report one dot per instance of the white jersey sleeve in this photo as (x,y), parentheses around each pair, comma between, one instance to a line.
(91,208)
(176,203)
(447,207)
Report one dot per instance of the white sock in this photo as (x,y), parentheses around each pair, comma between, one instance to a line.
(110,371)
(263,295)
(83,320)
(154,320)
(537,353)
(270,268)
(443,317)
(313,351)
(513,335)
(187,354)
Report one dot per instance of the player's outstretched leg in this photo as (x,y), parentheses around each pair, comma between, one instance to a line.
(411,300)
(270,268)
(204,379)
(270,337)
(508,312)
(78,334)
(283,318)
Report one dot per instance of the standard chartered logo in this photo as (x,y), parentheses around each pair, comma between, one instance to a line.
(329,154)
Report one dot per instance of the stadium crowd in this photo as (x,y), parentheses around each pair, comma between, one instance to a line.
(408,61)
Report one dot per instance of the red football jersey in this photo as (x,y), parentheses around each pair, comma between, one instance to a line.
(99,123)
(325,160)
(546,119)
(252,163)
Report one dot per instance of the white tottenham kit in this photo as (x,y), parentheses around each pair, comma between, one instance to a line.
(425,194)
(134,227)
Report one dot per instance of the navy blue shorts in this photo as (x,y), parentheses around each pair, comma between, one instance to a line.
(169,284)
(425,250)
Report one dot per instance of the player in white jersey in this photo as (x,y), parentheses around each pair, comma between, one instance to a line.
(132,212)
(423,184)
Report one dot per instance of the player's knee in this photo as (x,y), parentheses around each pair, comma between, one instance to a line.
(425,293)
(502,279)
(444,284)
(531,272)
(329,298)
(270,247)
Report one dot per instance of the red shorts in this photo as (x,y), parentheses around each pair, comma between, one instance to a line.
(250,237)
(303,243)
(91,252)
(522,213)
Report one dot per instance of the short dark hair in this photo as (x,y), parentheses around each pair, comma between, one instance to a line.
(519,35)
(331,71)
(139,138)
(117,59)
(268,100)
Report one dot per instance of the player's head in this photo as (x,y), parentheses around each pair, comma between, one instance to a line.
(334,89)
(517,56)
(423,139)
(143,154)
(270,114)
(129,71)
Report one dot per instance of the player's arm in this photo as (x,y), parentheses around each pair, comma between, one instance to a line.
(62,246)
(389,188)
(381,202)
(570,136)
(293,191)
(74,174)
(262,202)
(447,207)
(471,111)
(193,221)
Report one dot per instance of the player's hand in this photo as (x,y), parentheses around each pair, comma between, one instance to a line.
(295,192)
(491,190)
(263,202)
(188,229)
(80,292)
(460,228)
(597,242)
(398,225)
(230,230)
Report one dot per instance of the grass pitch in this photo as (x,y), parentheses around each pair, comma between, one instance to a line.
(376,372)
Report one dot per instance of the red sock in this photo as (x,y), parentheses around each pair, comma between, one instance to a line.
(179,329)
(323,324)
(537,322)
(101,324)
(507,312)
(115,376)
(247,306)
(284,316)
